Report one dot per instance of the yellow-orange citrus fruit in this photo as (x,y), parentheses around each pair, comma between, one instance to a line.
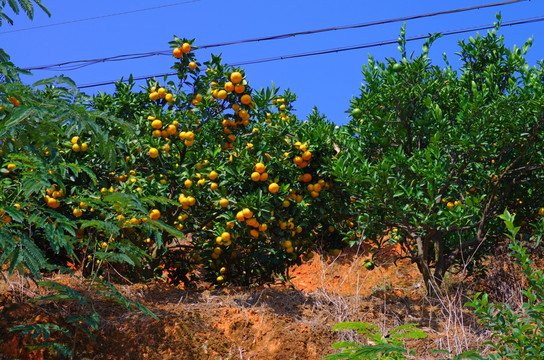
(192,66)
(222,94)
(154,214)
(236,77)
(264,176)
(229,86)
(259,167)
(156,124)
(224,202)
(153,153)
(239,89)
(273,188)
(245,99)
(247,213)
(213,175)
(177,53)
(306,155)
(255,176)
(186,47)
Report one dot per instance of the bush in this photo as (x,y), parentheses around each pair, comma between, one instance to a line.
(433,155)
(516,334)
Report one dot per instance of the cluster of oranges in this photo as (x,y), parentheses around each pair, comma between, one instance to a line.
(53,194)
(259,174)
(161,93)
(77,145)
(178,52)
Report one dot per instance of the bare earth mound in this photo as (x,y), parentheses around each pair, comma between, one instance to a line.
(284,321)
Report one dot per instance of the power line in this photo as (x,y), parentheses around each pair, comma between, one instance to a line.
(342,49)
(77,64)
(99,17)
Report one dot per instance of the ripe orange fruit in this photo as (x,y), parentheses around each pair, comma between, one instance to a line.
(236,77)
(259,167)
(161,92)
(245,99)
(213,175)
(494,178)
(224,202)
(178,53)
(192,65)
(156,133)
(186,47)
(188,183)
(264,176)
(75,139)
(306,156)
(76,148)
(225,236)
(239,89)
(213,186)
(255,176)
(53,203)
(156,124)
(172,129)
(77,212)
(541,211)
(84,147)
(11,167)
(247,213)
(229,86)
(222,94)
(273,188)
(240,216)
(307,177)
(153,153)
(154,214)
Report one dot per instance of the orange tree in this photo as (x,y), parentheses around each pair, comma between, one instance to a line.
(203,171)
(433,155)
(252,185)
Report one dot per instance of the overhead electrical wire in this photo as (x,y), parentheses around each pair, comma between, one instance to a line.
(341,49)
(100,17)
(77,64)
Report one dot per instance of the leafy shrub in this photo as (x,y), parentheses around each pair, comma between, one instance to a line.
(432,155)
(516,334)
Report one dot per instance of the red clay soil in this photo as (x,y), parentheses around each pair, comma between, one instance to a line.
(291,321)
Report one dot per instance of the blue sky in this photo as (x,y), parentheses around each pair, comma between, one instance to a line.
(326,81)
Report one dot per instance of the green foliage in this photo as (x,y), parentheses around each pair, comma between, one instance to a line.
(516,334)
(376,345)
(433,155)
(85,321)
(17,5)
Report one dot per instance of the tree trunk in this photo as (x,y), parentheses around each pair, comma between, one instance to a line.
(421,260)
